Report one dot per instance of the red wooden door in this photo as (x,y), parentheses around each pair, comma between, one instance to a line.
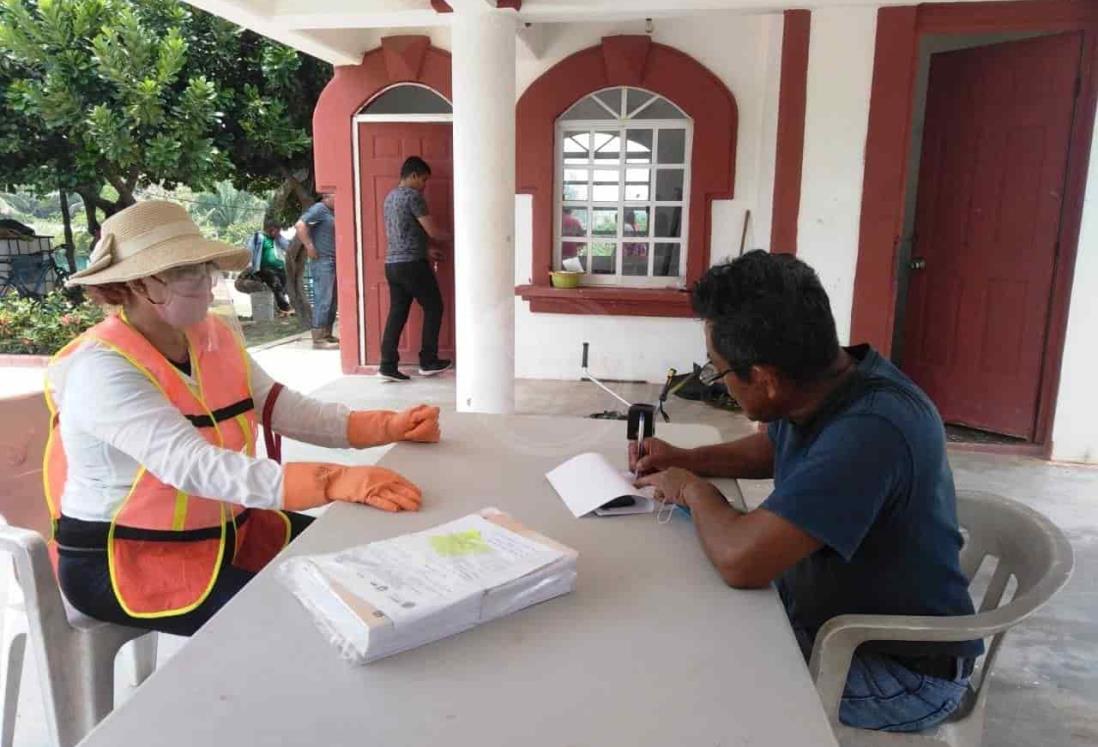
(382,150)
(991,183)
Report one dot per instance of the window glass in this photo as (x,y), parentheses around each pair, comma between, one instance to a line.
(624,168)
(672,146)
(665,260)
(604,257)
(638,146)
(573,221)
(409,99)
(669,185)
(612,100)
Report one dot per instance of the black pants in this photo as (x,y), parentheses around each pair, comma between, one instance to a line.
(275,279)
(86,581)
(407,281)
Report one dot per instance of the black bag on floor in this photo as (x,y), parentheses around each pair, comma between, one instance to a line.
(715,394)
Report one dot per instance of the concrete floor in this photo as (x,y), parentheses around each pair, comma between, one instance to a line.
(1044,689)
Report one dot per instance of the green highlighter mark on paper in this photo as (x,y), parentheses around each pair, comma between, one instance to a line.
(460,543)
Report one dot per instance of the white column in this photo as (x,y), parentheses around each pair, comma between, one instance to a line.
(840,75)
(1074,435)
(484,205)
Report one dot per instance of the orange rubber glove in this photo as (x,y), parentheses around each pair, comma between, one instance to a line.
(376,427)
(312,484)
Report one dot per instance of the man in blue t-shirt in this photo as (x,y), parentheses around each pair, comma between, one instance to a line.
(863,515)
(316,230)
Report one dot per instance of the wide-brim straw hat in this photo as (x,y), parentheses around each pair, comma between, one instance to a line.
(150,237)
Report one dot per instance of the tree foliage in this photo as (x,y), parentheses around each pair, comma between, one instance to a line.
(103,97)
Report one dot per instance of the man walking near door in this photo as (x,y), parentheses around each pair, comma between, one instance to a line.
(316,229)
(410,229)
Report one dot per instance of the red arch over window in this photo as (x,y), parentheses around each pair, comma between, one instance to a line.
(625,61)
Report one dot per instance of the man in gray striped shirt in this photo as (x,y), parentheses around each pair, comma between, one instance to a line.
(409,232)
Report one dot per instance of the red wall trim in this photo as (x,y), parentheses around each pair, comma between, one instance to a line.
(789,155)
(607,301)
(898,33)
(1028,15)
(886,149)
(628,60)
(399,59)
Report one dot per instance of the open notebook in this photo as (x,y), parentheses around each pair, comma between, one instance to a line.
(588,482)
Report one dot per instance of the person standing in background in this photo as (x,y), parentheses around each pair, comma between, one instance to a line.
(316,229)
(409,230)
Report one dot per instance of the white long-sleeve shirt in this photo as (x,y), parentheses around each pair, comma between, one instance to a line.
(114,419)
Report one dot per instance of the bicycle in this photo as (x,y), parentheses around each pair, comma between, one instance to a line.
(28,274)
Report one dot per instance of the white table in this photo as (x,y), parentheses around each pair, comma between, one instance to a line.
(651,648)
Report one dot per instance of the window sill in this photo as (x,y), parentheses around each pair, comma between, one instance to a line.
(606,301)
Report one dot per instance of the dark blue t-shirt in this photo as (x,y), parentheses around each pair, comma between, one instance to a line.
(869,478)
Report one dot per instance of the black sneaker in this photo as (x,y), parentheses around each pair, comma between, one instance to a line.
(393,375)
(435,367)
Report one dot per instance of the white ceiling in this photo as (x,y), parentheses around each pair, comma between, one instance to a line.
(340,31)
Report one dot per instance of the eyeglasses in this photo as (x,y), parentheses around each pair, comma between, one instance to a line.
(189,280)
(712,376)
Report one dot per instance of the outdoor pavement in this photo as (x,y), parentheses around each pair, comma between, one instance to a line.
(1044,689)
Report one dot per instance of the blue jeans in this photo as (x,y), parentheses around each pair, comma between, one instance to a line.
(884,695)
(323,271)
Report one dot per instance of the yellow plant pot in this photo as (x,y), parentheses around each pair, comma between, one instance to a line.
(565,279)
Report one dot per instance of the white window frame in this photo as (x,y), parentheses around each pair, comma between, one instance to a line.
(621,123)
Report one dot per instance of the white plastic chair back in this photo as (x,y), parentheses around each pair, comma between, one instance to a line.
(74,654)
(1028,548)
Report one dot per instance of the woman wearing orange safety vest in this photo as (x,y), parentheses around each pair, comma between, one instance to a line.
(162,510)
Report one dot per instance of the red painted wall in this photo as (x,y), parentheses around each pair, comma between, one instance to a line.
(400,59)
(628,61)
(789,155)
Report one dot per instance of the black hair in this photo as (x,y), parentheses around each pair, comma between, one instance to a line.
(414,166)
(768,309)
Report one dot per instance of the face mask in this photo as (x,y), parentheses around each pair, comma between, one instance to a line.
(187,294)
(182,312)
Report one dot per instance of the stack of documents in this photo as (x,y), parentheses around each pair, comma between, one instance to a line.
(389,596)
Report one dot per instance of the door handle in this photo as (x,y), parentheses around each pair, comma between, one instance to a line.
(916,263)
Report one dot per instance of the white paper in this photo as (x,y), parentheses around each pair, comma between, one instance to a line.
(414,576)
(588,481)
(572,264)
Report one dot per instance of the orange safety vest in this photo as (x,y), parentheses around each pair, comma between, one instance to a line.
(165,548)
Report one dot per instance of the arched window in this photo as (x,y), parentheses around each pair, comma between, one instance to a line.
(623,176)
(408,98)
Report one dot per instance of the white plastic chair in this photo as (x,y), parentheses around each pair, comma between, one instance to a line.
(74,654)
(1029,548)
